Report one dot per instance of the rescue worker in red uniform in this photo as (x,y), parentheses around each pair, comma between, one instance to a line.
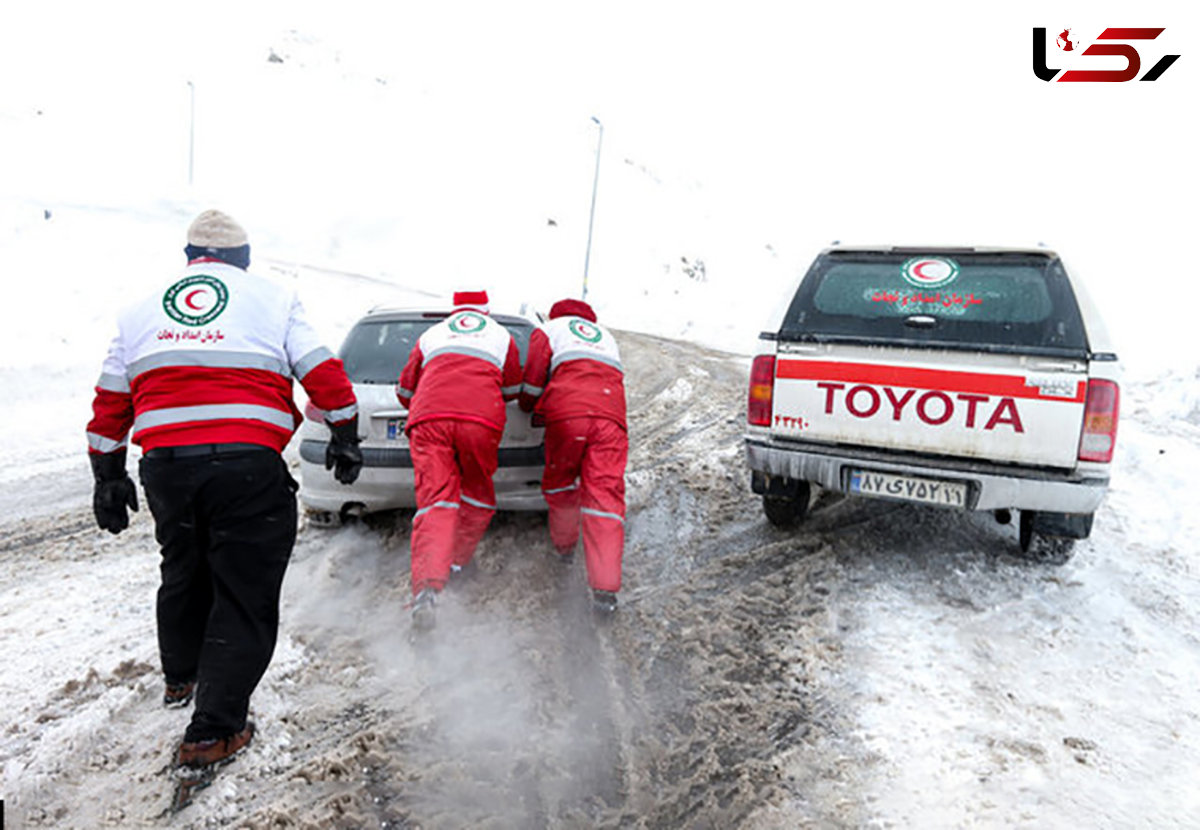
(200,376)
(574,381)
(455,385)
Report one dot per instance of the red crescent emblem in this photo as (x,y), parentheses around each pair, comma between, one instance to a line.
(187,300)
(917,270)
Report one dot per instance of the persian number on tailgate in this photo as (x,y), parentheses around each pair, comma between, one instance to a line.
(910,488)
(395,428)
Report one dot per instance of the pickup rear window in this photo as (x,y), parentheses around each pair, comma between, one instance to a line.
(1020,302)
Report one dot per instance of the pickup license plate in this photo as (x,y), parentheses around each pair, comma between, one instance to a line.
(395,428)
(909,488)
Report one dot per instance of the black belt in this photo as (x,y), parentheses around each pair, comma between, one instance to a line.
(202,450)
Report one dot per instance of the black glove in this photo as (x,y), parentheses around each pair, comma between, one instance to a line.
(343,455)
(114,491)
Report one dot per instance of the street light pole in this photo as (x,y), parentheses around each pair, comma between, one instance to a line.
(191,131)
(592,215)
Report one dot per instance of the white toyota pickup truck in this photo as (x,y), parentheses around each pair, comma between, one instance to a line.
(970,378)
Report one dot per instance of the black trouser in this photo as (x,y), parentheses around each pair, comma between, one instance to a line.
(226,522)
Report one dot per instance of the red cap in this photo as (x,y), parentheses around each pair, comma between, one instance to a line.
(477,300)
(572,308)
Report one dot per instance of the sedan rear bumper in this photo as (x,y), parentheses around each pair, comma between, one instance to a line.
(386,480)
(313,451)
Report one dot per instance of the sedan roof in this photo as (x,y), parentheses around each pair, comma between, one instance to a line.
(436,313)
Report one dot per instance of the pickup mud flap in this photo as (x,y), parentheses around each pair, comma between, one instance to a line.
(1068,525)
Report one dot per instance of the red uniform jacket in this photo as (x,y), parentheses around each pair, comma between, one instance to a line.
(464,368)
(573,370)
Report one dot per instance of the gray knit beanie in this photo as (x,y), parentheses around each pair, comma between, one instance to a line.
(213,229)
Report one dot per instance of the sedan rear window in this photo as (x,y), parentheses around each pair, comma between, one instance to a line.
(961,299)
(375,351)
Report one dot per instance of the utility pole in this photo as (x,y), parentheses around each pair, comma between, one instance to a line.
(592,215)
(191,132)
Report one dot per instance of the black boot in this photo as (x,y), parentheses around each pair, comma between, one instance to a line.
(424,612)
(604,603)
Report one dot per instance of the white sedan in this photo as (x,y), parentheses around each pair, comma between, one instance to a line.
(374,353)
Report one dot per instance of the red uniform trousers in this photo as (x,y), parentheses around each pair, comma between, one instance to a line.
(584,486)
(453,464)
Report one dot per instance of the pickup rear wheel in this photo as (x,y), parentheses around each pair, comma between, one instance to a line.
(790,510)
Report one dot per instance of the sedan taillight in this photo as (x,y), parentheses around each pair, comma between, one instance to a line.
(1099,437)
(762,387)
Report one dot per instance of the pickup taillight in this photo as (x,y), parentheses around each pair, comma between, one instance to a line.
(762,387)
(1099,437)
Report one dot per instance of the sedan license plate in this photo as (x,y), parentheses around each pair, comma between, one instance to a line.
(395,428)
(909,488)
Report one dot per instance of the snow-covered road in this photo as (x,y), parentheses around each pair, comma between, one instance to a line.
(885,665)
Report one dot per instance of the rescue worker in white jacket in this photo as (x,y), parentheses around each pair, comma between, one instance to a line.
(455,386)
(575,382)
(200,376)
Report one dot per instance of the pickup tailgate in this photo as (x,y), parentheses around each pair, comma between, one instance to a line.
(1001,408)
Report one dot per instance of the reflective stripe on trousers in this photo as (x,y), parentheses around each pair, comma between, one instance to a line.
(584,487)
(453,464)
